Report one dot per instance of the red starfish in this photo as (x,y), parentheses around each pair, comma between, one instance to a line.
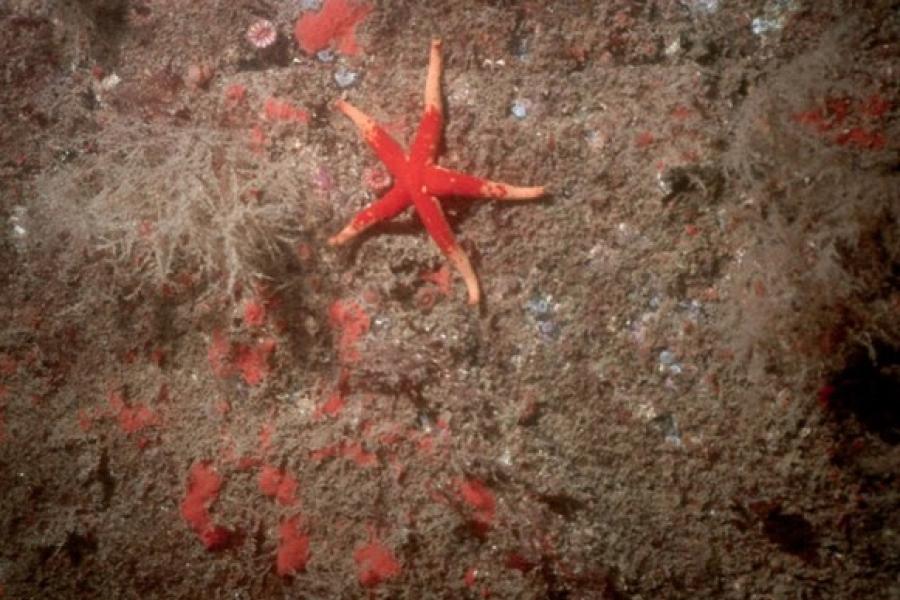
(418,180)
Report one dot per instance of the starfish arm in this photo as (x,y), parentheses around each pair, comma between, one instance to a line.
(425,146)
(386,147)
(432,217)
(446,182)
(386,207)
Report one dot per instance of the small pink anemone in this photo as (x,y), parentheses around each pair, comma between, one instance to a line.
(262,34)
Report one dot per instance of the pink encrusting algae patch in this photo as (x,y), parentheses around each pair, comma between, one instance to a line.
(335,22)
(132,419)
(847,122)
(349,318)
(265,438)
(219,354)
(258,139)
(202,490)
(359,455)
(440,278)
(375,563)
(334,405)
(644,139)
(86,419)
(864,139)
(254,313)
(251,361)
(480,498)
(354,451)
(235,94)
(276,109)
(293,548)
(277,484)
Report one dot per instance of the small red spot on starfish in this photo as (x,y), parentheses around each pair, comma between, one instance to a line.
(418,181)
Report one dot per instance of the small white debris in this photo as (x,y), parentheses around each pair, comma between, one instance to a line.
(345,78)
(703,6)
(761,26)
(519,108)
(645,411)
(673,48)
(666,357)
(109,82)
(17,223)
(774,17)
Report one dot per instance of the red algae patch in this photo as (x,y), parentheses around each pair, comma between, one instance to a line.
(847,122)
(333,406)
(351,320)
(336,22)
(293,548)
(258,139)
(202,490)
(235,94)
(219,354)
(277,484)
(375,563)
(251,361)
(132,419)
(440,278)
(352,451)
(254,313)
(480,498)
(359,455)
(282,110)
